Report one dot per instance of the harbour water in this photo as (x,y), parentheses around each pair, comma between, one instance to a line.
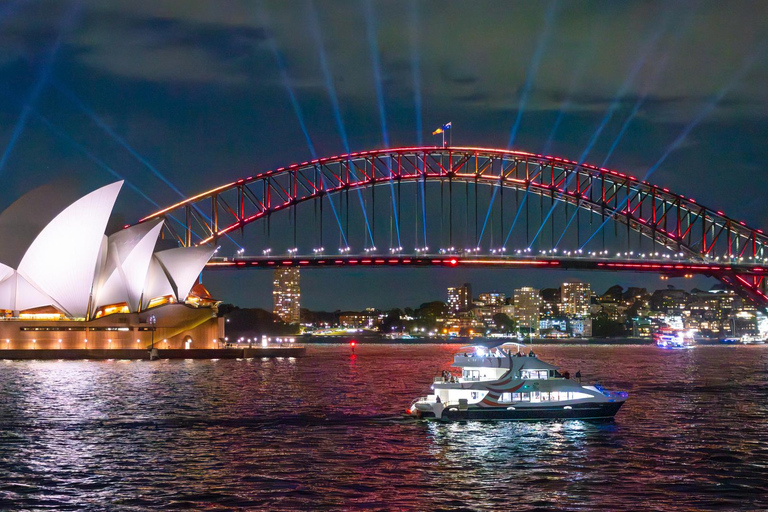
(328,430)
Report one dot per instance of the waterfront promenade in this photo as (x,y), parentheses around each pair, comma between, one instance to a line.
(103,354)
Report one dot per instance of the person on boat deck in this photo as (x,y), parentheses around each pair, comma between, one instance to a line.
(437,399)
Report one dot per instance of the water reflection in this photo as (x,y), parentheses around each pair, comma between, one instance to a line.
(327,431)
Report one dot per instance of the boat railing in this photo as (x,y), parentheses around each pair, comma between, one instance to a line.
(611,394)
(420,400)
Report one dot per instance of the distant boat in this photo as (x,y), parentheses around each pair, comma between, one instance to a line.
(674,338)
(752,339)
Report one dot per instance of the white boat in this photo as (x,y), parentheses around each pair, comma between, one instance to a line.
(752,339)
(674,338)
(497,384)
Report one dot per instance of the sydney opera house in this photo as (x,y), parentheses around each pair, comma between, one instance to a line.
(64,284)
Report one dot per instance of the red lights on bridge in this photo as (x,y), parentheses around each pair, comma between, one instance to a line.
(671,219)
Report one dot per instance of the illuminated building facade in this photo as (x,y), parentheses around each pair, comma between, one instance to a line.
(65,284)
(286,294)
(527,305)
(460,299)
(575,299)
(492,298)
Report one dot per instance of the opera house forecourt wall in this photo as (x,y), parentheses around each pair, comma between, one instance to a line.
(64,284)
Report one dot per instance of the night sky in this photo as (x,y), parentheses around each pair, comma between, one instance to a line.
(177,97)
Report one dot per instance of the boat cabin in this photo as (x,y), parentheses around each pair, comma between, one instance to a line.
(491,364)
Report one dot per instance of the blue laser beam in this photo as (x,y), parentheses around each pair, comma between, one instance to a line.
(370,25)
(637,66)
(417,102)
(37,88)
(10,8)
(487,214)
(706,110)
(416,68)
(423,194)
(517,214)
(286,80)
(122,142)
(650,84)
(576,79)
(533,68)
(314,26)
(288,85)
(743,70)
(117,138)
(90,156)
(373,46)
(568,224)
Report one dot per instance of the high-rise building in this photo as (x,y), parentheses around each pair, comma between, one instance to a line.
(286,294)
(492,298)
(575,299)
(527,304)
(460,299)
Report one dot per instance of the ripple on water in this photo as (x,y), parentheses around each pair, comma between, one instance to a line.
(327,431)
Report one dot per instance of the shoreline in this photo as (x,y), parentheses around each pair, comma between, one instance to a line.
(143,354)
(381,340)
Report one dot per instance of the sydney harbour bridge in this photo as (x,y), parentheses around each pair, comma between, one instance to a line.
(467,207)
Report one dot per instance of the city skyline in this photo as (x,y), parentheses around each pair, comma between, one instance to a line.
(668,99)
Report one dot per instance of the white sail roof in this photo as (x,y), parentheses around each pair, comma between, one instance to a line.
(157,283)
(124,274)
(7,287)
(183,265)
(62,260)
(29,296)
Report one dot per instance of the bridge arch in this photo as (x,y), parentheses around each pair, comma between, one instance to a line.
(673,222)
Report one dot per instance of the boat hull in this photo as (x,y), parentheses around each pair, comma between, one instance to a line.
(592,411)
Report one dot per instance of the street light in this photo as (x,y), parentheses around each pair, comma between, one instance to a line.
(152,320)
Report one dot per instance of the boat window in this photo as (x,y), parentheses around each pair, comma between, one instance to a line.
(534,374)
(566,395)
(545,396)
(535,396)
(515,397)
(471,374)
(525,397)
(474,395)
(506,397)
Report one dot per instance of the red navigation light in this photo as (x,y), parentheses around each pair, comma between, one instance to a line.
(453,261)
(352,343)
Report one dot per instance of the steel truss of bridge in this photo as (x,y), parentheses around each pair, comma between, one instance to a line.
(708,241)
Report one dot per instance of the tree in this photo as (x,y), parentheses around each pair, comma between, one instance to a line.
(602,326)
(392,322)
(226,309)
(504,323)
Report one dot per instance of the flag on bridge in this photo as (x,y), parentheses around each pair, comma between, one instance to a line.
(442,129)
